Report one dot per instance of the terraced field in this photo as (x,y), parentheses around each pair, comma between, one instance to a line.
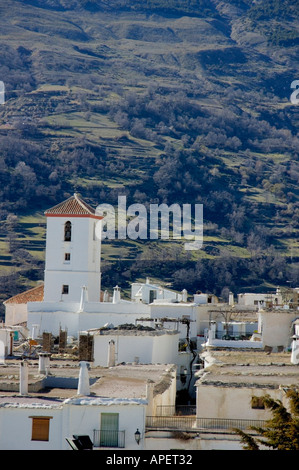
(162,101)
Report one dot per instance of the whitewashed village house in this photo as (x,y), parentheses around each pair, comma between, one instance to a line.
(138,336)
(71,298)
(45,409)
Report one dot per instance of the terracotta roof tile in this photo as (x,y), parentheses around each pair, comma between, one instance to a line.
(32,295)
(73,206)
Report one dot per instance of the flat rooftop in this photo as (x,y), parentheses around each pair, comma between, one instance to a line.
(237,368)
(121,381)
(134,332)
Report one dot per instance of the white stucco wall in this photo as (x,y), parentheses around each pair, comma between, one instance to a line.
(16,428)
(50,315)
(204,441)
(53,315)
(165,395)
(142,291)
(67,419)
(229,402)
(83,419)
(276,327)
(176,311)
(83,269)
(254,299)
(149,348)
(5,338)
(15,313)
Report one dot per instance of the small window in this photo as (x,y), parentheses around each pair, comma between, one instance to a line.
(257,403)
(67,256)
(65,289)
(67,231)
(40,428)
(152,296)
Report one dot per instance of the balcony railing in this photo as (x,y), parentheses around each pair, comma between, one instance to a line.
(176,410)
(180,423)
(108,438)
(191,423)
(228,424)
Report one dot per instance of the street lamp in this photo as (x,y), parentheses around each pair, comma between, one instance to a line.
(184,374)
(137,436)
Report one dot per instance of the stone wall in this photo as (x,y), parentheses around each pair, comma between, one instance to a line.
(85,347)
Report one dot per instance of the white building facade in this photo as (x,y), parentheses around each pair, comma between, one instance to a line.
(144,347)
(28,423)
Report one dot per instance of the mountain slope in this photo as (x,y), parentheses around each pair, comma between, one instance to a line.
(163,101)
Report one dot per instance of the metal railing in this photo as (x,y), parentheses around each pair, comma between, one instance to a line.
(108,438)
(180,423)
(228,424)
(191,423)
(176,410)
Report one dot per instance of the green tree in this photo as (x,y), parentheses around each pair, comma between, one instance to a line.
(281,432)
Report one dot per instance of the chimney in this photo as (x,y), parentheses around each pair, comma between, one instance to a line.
(83,385)
(35,331)
(150,397)
(212,331)
(111,353)
(84,298)
(2,352)
(43,362)
(24,378)
(116,295)
(295,346)
(106,296)
(295,352)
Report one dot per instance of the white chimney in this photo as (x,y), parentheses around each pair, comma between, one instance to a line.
(44,362)
(231,300)
(116,295)
(106,296)
(185,295)
(212,331)
(35,331)
(2,352)
(111,354)
(83,385)
(84,298)
(295,350)
(24,378)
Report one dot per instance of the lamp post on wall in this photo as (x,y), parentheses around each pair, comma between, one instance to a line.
(184,374)
(137,436)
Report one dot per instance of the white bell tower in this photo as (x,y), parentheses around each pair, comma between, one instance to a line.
(73,252)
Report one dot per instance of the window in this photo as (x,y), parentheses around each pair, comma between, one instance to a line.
(40,428)
(65,289)
(67,256)
(152,296)
(257,403)
(67,231)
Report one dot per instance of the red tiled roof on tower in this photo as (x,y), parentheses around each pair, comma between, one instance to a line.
(74,206)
